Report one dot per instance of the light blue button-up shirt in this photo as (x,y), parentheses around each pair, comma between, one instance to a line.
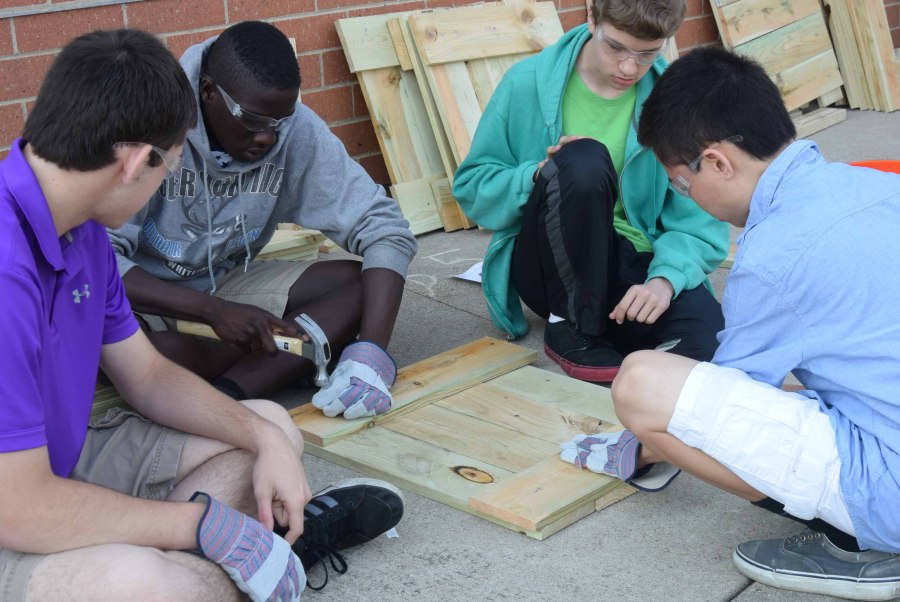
(815,289)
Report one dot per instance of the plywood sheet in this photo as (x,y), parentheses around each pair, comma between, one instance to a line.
(490,448)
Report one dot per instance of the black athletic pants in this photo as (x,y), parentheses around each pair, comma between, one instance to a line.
(569,261)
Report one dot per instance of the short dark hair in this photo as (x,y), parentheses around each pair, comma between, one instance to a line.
(707,96)
(644,19)
(253,52)
(106,87)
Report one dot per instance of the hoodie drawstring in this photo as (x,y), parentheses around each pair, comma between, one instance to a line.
(243,219)
(209,230)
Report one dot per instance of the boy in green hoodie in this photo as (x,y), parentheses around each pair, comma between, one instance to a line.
(587,231)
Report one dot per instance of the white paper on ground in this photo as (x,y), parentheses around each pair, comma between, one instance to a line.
(391,533)
(473,274)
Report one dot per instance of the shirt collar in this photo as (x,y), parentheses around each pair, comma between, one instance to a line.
(27,194)
(764,194)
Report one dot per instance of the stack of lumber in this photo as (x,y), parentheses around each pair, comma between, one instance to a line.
(426,77)
(792,43)
(293,242)
(865,51)
(478,429)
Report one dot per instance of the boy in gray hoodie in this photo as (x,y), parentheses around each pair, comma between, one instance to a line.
(259,157)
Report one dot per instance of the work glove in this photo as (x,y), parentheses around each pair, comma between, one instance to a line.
(259,562)
(616,454)
(359,385)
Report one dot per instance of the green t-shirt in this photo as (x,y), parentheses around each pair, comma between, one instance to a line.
(607,120)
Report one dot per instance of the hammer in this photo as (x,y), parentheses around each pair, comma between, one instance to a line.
(316,350)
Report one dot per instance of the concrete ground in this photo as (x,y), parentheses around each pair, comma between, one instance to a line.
(674,545)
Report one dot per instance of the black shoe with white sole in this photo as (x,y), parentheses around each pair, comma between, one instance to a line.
(809,562)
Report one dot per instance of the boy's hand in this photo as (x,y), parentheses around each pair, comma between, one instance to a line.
(552,150)
(250,327)
(644,303)
(259,562)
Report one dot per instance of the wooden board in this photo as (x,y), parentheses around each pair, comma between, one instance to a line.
(376,53)
(490,449)
(463,52)
(790,40)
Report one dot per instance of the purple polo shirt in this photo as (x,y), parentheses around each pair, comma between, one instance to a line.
(61,299)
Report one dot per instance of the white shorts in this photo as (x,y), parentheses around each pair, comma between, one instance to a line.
(779,443)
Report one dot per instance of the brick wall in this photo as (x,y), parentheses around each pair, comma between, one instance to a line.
(893,12)
(28,44)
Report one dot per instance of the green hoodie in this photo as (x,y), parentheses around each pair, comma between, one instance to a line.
(494,181)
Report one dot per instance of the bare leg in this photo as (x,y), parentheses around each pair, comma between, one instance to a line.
(122,572)
(645,393)
(331,294)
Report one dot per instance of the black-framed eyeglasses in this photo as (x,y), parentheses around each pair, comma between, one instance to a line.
(250,121)
(173,164)
(621,53)
(681,184)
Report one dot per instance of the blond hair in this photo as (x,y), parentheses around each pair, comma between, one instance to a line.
(644,19)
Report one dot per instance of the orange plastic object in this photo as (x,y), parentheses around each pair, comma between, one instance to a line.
(883,165)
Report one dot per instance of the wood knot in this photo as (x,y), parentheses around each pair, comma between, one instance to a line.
(472,474)
(526,16)
(431,32)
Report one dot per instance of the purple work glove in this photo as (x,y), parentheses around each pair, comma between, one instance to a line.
(359,385)
(259,562)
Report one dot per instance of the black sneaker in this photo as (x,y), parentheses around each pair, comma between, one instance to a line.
(344,515)
(593,359)
(809,562)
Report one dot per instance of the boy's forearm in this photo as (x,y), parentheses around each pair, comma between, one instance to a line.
(149,294)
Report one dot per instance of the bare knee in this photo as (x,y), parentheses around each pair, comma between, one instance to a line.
(277,415)
(629,390)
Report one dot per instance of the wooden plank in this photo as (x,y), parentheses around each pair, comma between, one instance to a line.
(400,46)
(818,120)
(485,440)
(809,79)
(542,494)
(877,49)
(451,213)
(420,384)
(749,19)
(481,31)
(789,45)
(367,42)
(524,413)
(848,55)
(106,397)
(416,200)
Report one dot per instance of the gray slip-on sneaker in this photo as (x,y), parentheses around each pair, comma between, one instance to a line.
(809,562)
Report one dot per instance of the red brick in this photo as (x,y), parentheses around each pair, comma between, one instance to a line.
(893,15)
(333,104)
(52,30)
(359,103)
(572,18)
(22,77)
(390,8)
(246,10)
(696,31)
(335,66)
(12,120)
(323,5)
(358,137)
(312,33)
(167,16)
(695,8)
(567,4)
(375,167)
(310,71)
(449,3)
(6,46)
(4,153)
(895,36)
(178,43)
(14,3)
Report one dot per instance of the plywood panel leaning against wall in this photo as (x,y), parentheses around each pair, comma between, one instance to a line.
(465,51)
(477,429)
(791,41)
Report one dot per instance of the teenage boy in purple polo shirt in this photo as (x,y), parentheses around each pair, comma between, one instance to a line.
(109,511)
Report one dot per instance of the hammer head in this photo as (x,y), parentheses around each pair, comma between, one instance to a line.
(318,350)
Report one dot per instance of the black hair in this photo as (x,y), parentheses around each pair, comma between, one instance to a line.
(707,96)
(253,52)
(107,87)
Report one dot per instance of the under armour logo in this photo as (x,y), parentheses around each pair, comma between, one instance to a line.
(79,294)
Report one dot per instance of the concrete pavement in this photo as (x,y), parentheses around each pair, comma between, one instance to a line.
(674,545)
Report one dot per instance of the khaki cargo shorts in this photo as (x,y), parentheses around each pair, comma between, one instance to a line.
(123,451)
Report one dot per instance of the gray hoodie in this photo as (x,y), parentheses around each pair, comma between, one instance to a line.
(206,220)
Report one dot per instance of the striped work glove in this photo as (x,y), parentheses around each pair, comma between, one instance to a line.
(259,562)
(359,385)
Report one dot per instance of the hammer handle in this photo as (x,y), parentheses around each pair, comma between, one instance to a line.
(288,344)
